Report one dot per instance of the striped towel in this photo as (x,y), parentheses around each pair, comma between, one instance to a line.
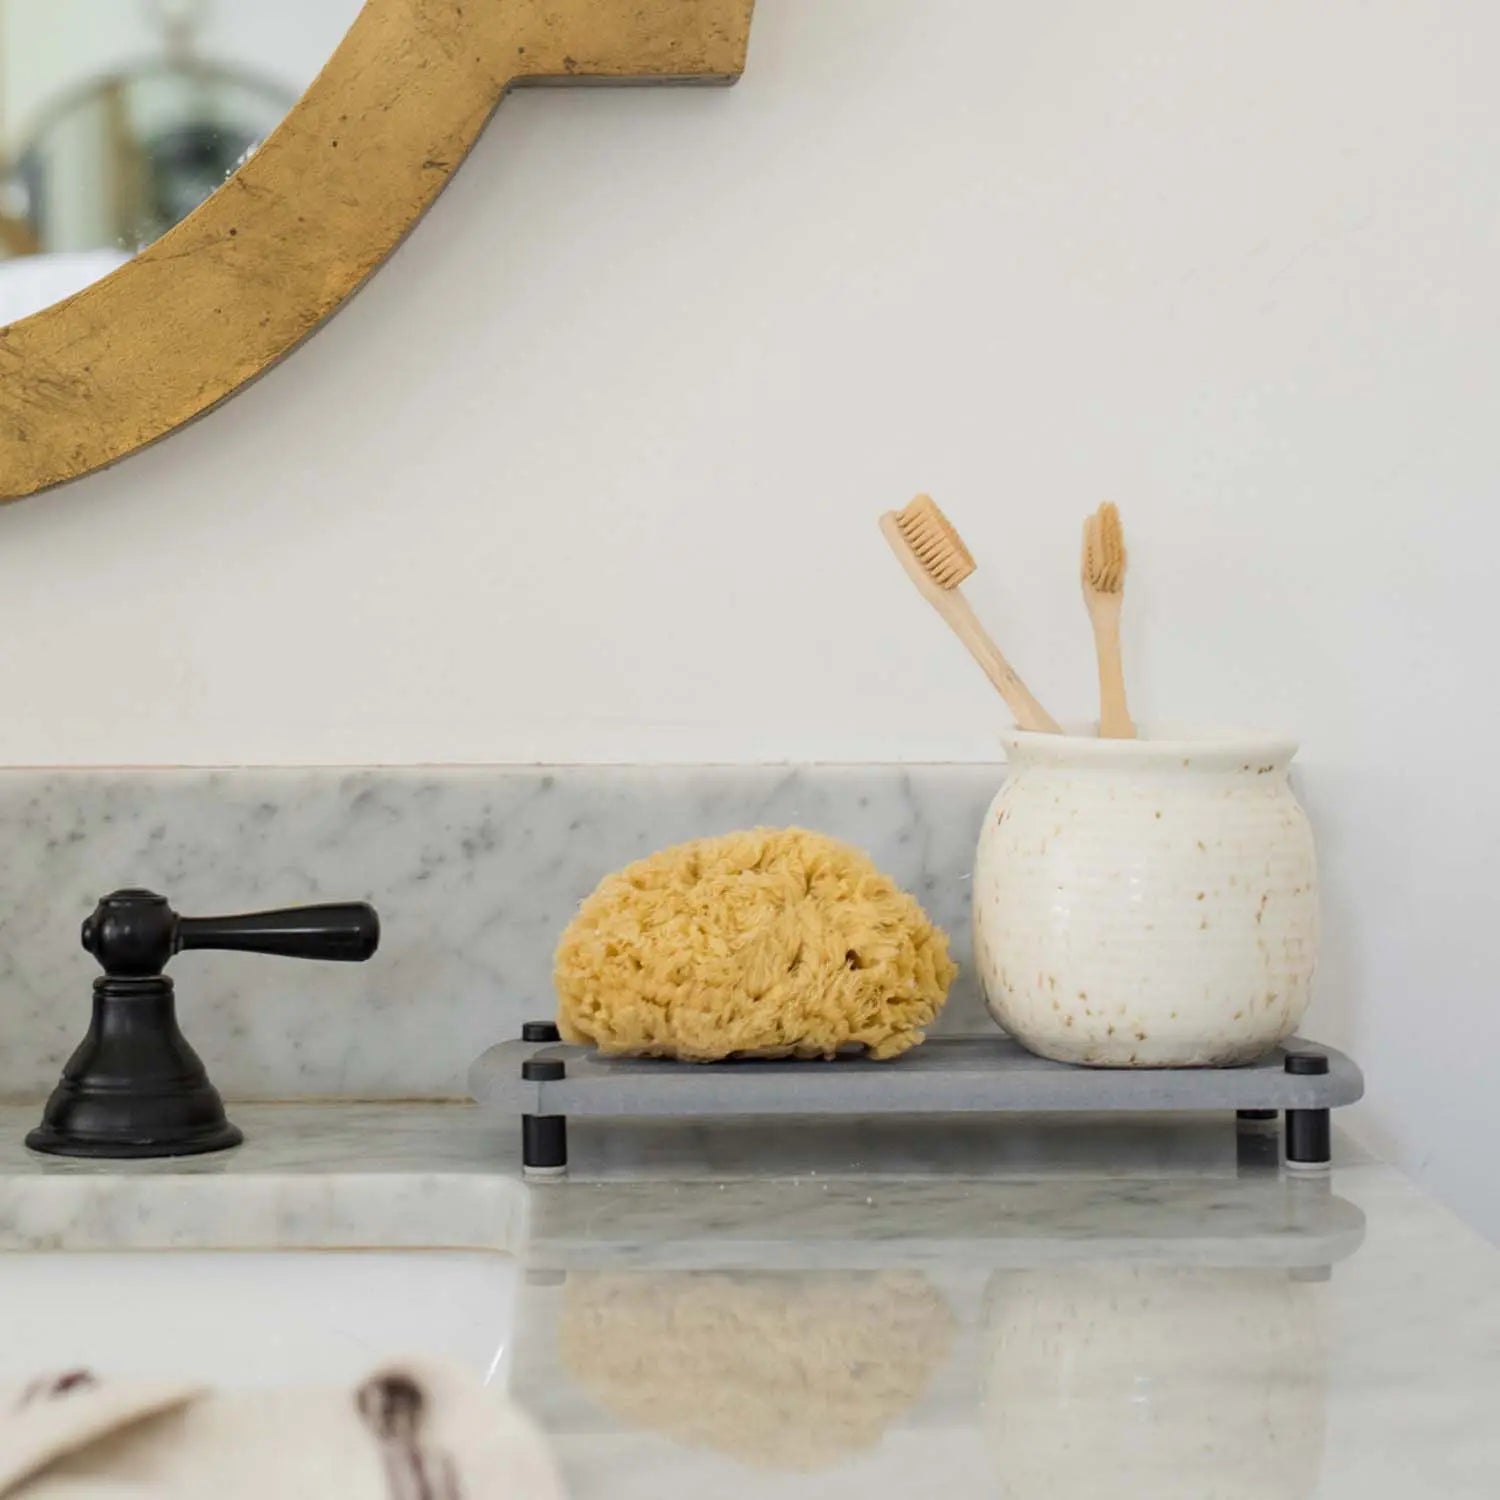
(412,1431)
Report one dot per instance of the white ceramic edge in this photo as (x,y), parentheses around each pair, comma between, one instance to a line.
(1080,744)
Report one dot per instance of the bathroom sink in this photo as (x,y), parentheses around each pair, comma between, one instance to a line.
(882,1315)
(334,1239)
(248,1318)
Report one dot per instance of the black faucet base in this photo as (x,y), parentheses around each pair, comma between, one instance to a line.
(134,1087)
(58,1142)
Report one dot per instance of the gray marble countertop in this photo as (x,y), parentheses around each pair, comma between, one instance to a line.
(1015,1309)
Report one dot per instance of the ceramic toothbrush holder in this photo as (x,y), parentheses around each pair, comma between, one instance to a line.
(1147,903)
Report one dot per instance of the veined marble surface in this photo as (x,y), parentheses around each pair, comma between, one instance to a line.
(1043,1323)
(475,871)
(742,1194)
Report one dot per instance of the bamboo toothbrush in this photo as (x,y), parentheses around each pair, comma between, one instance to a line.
(1103,591)
(934,556)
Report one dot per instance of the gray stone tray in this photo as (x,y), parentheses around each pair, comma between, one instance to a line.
(945,1076)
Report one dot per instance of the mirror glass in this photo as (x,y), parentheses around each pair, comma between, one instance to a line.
(119,117)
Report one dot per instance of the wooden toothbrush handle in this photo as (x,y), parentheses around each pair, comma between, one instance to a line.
(1114,717)
(1030,714)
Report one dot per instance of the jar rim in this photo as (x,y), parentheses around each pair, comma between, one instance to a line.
(1156,744)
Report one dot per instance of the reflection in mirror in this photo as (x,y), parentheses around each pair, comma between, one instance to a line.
(119,117)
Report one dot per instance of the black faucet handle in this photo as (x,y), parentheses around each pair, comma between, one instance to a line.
(346,932)
(134,1087)
(133,933)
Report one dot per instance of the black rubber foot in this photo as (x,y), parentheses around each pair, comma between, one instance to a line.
(1309,1132)
(544,1143)
(1309,1138)
(544,1138)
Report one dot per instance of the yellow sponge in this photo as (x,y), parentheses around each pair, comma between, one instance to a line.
(768,943)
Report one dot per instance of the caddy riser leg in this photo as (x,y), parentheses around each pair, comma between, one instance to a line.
(1309,1139)
(544,1145)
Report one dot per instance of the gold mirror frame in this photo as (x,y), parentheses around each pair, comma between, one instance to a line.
(240,282)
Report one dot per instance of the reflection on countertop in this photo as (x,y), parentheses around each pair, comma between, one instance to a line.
(1139,1380)
(1054,1313)
(989,1308)
(1168,1381)
(792,1370)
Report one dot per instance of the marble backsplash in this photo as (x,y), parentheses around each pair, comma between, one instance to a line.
(475,870)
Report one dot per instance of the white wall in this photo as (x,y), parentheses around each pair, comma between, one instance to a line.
(590,471)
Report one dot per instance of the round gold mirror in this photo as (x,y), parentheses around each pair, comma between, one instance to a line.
(187,188)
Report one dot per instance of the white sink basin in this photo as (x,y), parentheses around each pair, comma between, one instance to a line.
(335,1239)
(246,1318)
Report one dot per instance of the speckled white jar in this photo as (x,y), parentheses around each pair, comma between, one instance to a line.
(1146,903)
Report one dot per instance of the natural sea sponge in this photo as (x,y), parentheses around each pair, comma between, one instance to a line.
(767,943)
(783,1371)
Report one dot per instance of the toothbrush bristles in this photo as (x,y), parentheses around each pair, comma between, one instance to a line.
(937,546)
(1104,550)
